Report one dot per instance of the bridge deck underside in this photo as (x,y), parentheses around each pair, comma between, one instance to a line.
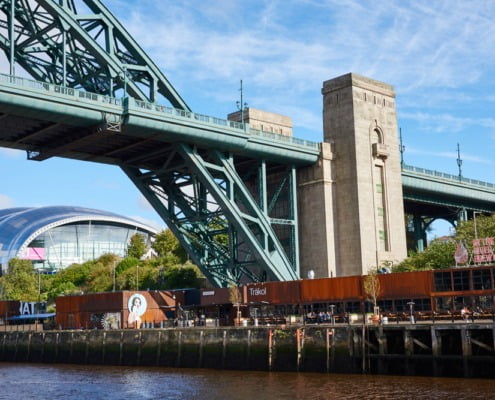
(441,198)
(234,214)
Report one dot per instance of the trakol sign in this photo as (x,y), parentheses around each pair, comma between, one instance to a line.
(257,291)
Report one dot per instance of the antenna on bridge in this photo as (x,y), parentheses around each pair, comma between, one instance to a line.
(241,107)
(459,161)
(402,149)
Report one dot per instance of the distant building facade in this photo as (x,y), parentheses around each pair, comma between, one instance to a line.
(263,121)
(57,236)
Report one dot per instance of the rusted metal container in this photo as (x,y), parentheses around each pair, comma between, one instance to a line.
(418,284)
(331,289)
(211,297)
(116,309)
(272,293)
(9,308)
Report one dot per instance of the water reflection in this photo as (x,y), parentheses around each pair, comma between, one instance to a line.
(37,381)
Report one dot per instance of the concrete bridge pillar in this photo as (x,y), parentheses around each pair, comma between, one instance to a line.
(352,200)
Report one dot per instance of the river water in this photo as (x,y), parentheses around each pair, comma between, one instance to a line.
(49,381)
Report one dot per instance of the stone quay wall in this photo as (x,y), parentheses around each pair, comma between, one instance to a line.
(434,350)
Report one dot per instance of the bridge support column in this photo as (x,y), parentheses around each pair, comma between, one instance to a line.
(360,121)
(316,217)
(419,233)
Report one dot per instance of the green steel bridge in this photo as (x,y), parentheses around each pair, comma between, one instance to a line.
(228,192)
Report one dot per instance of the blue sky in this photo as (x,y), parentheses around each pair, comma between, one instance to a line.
(437,54)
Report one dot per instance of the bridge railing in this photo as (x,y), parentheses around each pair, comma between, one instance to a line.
(450,177)
(187,114)
(95,97)
(283,138)
(52,88)
(223,122)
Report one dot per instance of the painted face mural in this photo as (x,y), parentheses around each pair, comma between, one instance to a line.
(137,307)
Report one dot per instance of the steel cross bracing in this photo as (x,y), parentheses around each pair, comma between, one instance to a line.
(236,228)
(79,44)
(236,215)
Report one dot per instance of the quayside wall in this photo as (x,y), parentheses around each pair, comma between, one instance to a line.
(465,350)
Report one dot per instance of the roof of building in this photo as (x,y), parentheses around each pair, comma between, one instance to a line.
(20,225)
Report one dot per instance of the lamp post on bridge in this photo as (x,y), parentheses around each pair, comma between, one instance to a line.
(241,106)
(459,161)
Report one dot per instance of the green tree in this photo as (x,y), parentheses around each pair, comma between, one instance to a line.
(137,246)
(439,254)
(481,227)
(182,276)
(126,263)
(166,245)
(61,288)
(21,282)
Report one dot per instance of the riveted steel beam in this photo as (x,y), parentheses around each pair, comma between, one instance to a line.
(59,42)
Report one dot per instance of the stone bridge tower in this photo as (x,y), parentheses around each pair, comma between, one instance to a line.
(351,206)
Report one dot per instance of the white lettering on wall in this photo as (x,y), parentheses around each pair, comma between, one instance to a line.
(27,307)
(257,291)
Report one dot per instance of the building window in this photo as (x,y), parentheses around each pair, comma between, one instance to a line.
(443,282)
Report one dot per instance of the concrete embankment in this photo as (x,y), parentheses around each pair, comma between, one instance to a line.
(438,350)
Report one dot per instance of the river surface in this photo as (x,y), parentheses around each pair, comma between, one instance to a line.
(49,381)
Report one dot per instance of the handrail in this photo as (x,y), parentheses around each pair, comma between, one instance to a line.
(96,97)
(59,89)
(224,122)
(450,177)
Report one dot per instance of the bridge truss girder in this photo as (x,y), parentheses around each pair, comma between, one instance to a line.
(237,219)
(79,44)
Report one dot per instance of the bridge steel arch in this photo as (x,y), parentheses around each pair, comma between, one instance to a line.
(227,192)
(79,44)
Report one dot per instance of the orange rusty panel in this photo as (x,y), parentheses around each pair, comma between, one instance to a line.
(153,315)
(209,297)
(64,304)
(273,293)
(9,308)
(101,302)
(331,289)
(406,285)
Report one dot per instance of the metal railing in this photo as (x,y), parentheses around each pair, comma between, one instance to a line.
(99,98)
(223,122)
(449,177)
(58,89)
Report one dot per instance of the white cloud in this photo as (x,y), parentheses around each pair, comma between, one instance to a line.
(6,201)
(11,153)
(143,203)
(449,155)
(419,46)
(447,122)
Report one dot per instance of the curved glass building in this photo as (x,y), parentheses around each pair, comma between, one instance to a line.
(55,237)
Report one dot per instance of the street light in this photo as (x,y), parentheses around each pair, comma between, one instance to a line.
(332,320)
(411,310)
(113,273)
(242,107)
(39,285)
